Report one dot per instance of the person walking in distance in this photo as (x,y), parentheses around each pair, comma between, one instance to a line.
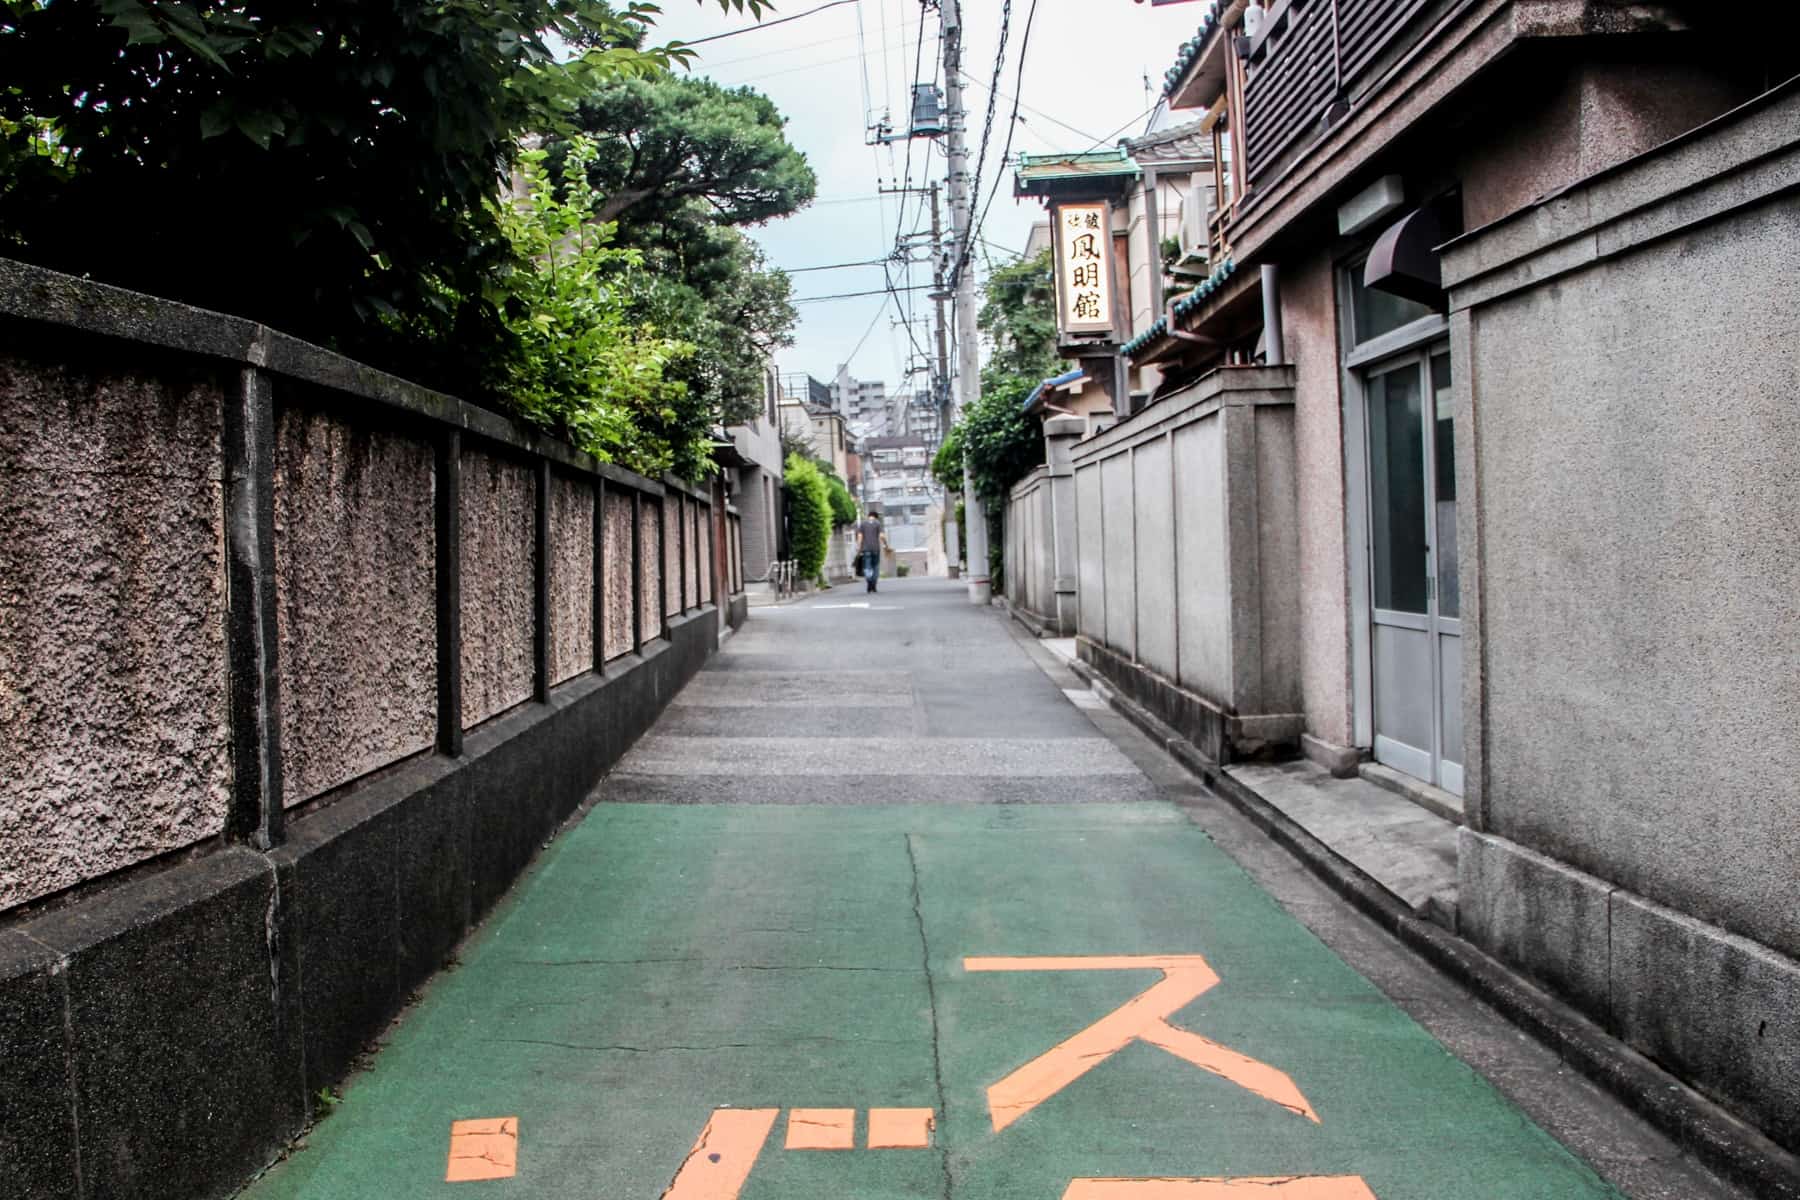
(870,541)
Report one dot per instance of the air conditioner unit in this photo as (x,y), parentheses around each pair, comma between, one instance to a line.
(1196,216)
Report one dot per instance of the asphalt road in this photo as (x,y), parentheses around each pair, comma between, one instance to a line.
(883,907)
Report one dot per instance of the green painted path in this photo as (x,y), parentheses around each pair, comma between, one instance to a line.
(698,943)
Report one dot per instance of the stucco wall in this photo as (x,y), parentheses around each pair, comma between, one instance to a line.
(1116,494)
(113,737)
(616,539)
(1090,555)
(1638,450)
(571,577)
(1277,616)
(650,529)
(1571,122)
(675,551)
(703,551)
(1203,567)
(356,590)
(1030,553)
(1153,511)
(498,563)
(698,551)
(1310,331)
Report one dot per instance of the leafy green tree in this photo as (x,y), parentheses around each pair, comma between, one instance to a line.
(585,368)
(670,140)
(1018,314)
(809,515)
(331,167)
(733,311)
(994,438)
(684,163)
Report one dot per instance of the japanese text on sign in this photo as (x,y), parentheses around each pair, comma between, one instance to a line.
(1083,282)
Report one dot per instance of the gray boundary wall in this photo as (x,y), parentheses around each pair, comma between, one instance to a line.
(1628,443)
(1040,536)
(1031,554)
(1187,561)
(300,664)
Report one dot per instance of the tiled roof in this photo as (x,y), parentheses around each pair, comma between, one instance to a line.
(1181,308)
(1056,381)
(1179,142)
(1190,49)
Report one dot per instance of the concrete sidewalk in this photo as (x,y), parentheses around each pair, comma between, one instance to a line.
(878,883)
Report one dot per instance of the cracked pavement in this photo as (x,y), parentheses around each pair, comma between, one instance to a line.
(771,905)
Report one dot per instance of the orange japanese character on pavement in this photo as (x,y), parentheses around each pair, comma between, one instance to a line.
(1144,1018)
(1271,1187)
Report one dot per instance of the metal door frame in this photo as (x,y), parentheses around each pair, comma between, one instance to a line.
(1419,341)
(1432,623)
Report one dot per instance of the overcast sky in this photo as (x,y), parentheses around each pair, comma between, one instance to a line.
(1083,85)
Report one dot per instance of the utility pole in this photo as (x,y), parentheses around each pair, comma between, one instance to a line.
(940,382)
(968,345)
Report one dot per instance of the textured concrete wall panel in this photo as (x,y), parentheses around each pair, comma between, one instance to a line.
(650,529)
(1639,449)
(1154,511)
(674,553)
(1277,560)
(1204,580)
(1310,330)
(616,538)
(1090,550)
(1121,554)
(499,518)
(356,611)
(703,548)
(571,577)
(113,738)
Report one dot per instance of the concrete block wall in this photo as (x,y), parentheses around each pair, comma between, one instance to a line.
(356,587)
(1627,429)
(499,584)
(677,556)
(297,673)
(112,566)
(572,548)
(1031,553)
(1187,561)
(761,520)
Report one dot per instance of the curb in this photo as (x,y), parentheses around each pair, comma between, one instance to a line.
(1730,1146)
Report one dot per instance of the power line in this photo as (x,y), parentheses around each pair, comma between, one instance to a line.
(906,176)
(1121,129)
(968,78)
(914,287)
(767,24)
(851,357)
(987,134)
(830,41)
(887,291)
(1013,124)
(873,262)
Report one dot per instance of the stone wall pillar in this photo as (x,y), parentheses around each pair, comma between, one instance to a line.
(1060,435)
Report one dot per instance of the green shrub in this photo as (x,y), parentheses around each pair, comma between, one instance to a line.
(809,515)
(843,504)
(901,570)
